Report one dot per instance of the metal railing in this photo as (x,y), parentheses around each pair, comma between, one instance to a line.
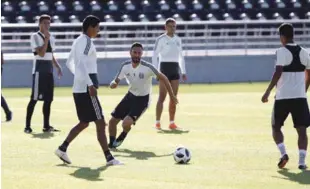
(202,35)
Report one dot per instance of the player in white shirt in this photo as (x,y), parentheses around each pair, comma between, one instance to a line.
(82,62)
(168,58)
(138,74)
(292,79)
(43,46)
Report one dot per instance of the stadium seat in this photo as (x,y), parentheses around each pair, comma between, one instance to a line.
(43,7)
(163,5)
(95,6)
(4,20)
(56,19)
(159,17)
(180,5)
(260,16)
(112,6)
(74,19)
(177,17)
(244,16)
(277,16)
(24,6)
(280,4)
(246,4)
(7,6)
(108,18)
(130,6)
(293,16)
(211,17)
(36,19)
(263,4)
(126,18)
(213,5)
(194,17)
(227,16)
(296,3)
(197,5)
(143,18)
(146,6)
(77,6)
(60,7)
(20,19)
(307,15)
(230,4)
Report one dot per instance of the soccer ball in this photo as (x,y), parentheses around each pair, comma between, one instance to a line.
(182,155)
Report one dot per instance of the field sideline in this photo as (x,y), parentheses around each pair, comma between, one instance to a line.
(226,128)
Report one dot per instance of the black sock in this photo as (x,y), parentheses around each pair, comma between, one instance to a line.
(122,136)
(47,113)
(108,155)
(64,146)
(112,139)
(30,109)
(5,106)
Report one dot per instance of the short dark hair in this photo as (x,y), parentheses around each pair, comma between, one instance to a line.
(169,20)
(44,17)
(90,20)
(286,30)
(136,44)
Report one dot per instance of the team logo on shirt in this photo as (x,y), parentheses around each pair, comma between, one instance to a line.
(141,75)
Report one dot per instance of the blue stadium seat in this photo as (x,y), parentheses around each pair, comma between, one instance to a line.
(4,20)
(159,17)
(180,5)
(24,6)
(56,19)
(130,6)
(164,6)
(43,6)
(143,18)
(280,4)
(112,6)
(230,4)
(244,16)
(296,3)
(194,17)
(197,5)
(246,4)
(260,16)
(21,19)
(74,19)
(77,6)
(108,18)
(263,4)
(214,5)
(126,18)
(95,6)
(177,17)
(60,7)
(7,7)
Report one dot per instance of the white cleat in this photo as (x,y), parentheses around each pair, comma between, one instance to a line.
(114,162)
(63,156)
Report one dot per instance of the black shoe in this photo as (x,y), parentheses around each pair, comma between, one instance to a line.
(50,129)
(28,130)
(283,161)
(9,116)
(302,167)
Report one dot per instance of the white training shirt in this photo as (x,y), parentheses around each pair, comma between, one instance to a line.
(82,61)
(139,79)
(168,49)
(37,41)
(291,84)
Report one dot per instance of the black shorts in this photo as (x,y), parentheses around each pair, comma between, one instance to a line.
(132,106)
(170,70)
(88,107)
(298,108)
(42,86)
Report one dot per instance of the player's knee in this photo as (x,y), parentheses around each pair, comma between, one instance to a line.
(127,122)
(276,128)
(113,121)
(302,132)
(161,98)
(83,125)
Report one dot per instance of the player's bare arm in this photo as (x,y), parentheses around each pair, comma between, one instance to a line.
(307,79)
(164,79)
(275,78)
(58,67)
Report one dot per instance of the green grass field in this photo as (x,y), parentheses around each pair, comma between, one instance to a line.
(227,131)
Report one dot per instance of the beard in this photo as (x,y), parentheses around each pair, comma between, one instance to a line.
(135,60)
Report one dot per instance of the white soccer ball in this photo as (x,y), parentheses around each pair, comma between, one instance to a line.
(182,155)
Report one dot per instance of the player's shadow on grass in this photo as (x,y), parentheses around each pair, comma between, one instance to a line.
(46,135)
(86,172)
(163,131)
(141,155)
(302,177)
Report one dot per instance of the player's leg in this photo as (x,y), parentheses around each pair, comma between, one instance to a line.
(172,106)
(113,130)
(279,115)
(127,123)
(6,109)
(160,103)
(301,119)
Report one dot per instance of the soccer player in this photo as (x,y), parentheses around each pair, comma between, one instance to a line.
(291,98)
(82,62)
(138,74)
(4,105)
(43,45)
(168,48)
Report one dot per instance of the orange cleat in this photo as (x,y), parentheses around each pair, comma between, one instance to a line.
(173,126)
(157,126)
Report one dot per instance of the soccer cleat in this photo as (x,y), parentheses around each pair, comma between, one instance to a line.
(9,116)
(302,167)
(283,160)
(50,129)
(117,143)
(157,126)
(28,130)
(114,162)
(63,156)
(173,126)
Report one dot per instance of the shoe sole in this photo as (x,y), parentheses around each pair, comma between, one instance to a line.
(282,165)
